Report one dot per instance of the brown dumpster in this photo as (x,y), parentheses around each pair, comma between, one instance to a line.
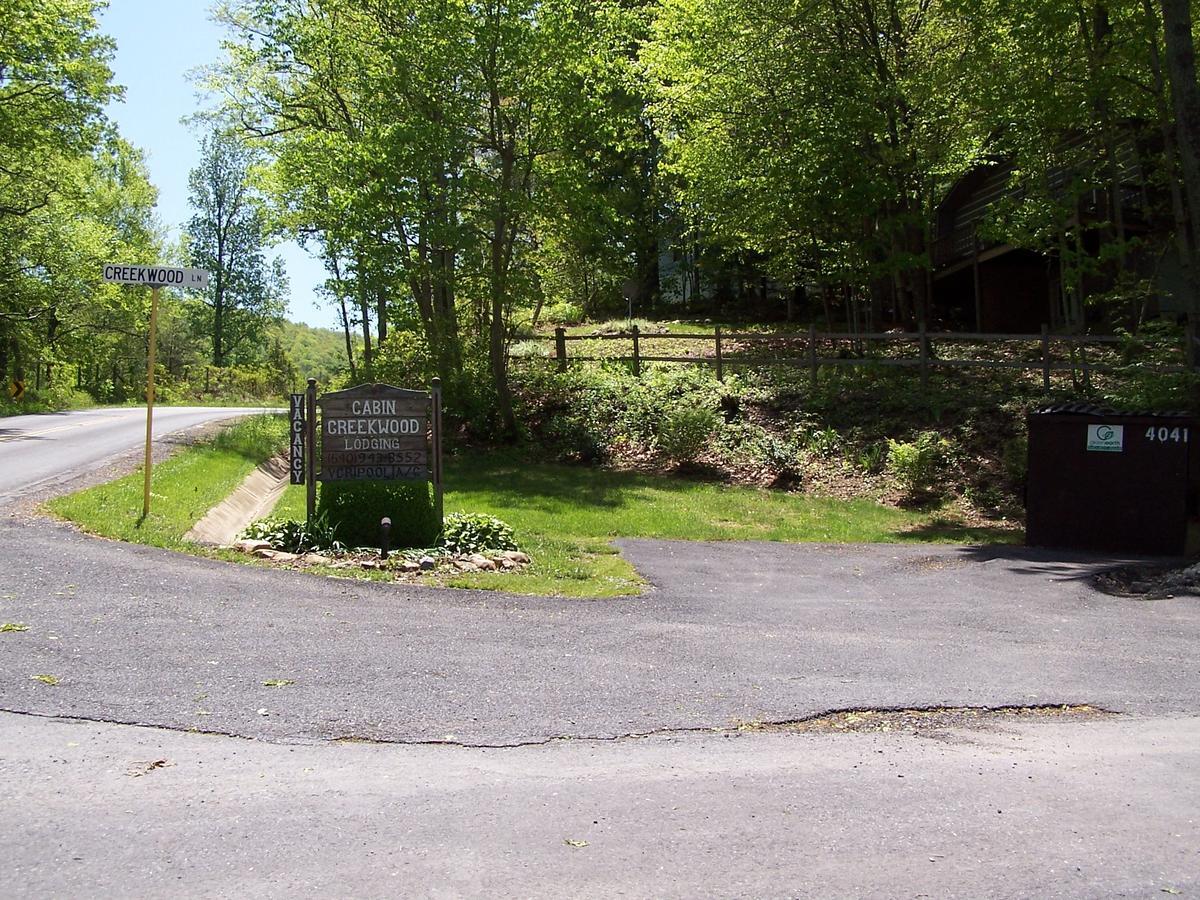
(1112,482)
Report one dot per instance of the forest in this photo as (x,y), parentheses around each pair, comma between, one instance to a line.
(470,172)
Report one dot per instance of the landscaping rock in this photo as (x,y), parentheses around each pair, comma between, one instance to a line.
(481,562)
(316,559)
(506,563)
(426,563)
(464,566)
(252,545)
(276,555)
(410,566)
(371,564)
(516,556)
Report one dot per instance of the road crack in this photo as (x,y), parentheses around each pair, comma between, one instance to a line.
(877,720)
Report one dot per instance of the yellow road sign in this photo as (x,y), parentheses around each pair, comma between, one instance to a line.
(16,389)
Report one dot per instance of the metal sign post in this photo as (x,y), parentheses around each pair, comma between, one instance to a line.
(150,399)
(155,278)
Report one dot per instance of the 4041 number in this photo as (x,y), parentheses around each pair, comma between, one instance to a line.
(1166,435)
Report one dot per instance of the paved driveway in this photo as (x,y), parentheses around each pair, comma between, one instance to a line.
(509,759)
(730,633)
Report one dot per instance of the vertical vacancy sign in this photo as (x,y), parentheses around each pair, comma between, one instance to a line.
(155,278)
(299,423)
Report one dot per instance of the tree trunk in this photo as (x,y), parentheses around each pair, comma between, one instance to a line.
(364,305)
(337,275)
(1181,68)
(501,251)
(1187,257)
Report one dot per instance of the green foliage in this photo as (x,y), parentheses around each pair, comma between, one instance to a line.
(685,431)
(185,487)
(404,360)
(227,236)
(824,442)
(254,437)
(466,533)
(585,414)
(318,353)
(871,459)
(292,536)
(564,312)
(1015,458)
(918,464)
(356,508)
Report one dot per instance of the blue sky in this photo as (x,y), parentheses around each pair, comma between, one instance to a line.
(159,43)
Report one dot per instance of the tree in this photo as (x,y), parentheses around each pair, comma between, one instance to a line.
(227,236)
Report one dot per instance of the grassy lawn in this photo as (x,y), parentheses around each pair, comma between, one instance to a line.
(184,487)
(565,517)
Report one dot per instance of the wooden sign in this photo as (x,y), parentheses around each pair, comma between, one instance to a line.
(376,432)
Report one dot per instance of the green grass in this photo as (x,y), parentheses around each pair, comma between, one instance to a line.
(183,489)
(566,516)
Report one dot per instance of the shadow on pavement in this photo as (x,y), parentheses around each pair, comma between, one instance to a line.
(1063,565)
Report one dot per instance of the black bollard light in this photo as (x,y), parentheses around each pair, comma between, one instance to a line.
(385,531)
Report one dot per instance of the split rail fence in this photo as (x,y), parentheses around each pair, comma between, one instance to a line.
(729,351)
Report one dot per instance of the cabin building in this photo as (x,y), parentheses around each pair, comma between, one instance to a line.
(987,284)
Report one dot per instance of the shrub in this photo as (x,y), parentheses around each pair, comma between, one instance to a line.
(685,431)
(355,509)
(871,458)
(917,465)
(295,537)
(824,442)
(563,313)
(1015,458)
(466,533)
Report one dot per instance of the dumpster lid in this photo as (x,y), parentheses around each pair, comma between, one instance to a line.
(1092,409)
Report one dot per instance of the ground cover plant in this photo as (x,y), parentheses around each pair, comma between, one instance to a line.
(867,432)
(184,487)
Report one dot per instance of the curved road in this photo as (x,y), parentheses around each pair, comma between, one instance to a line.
(37,450)
(220,730)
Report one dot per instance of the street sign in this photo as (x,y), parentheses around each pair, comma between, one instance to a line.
(156,276)
(16,390)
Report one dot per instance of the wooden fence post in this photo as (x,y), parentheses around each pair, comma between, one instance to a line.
(720,362)
(924,339)
(1045,358)
(560,347)
(637,353)
(812,354)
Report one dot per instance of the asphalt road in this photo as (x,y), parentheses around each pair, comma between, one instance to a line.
(446,743)
(37,450)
